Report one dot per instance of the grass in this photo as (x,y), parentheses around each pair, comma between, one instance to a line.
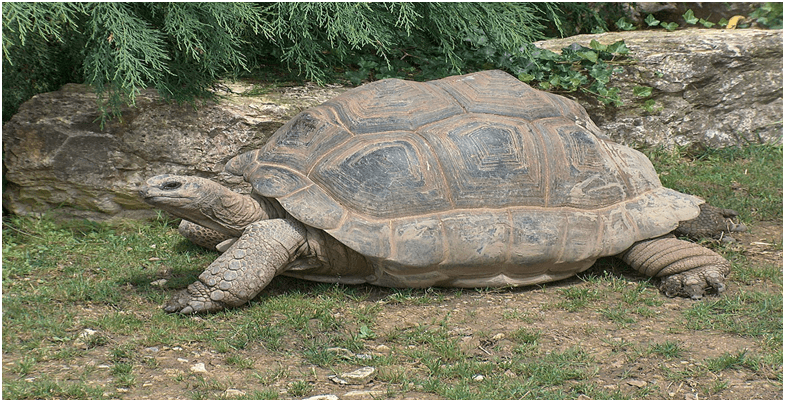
(60,279)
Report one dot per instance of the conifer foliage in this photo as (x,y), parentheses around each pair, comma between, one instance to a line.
(181,49)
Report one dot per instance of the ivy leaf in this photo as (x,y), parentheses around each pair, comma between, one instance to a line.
(649,105)
(643,92)
(601,73)
(670,26)
(597,45)
(618,47)
(689,16)
(624,25)
(525,77)
(707,24)
(651,20)
(722,22)
(588,55)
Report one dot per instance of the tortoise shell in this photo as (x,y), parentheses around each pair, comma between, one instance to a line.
(436,178)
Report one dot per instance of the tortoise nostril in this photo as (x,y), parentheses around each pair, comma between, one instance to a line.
(171,185)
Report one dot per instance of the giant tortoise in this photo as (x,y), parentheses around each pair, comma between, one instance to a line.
(475,180)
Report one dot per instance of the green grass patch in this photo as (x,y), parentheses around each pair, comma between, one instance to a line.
(747,179)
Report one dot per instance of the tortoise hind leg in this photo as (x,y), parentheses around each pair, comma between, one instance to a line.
(238,275)
(687,269)
(712,222)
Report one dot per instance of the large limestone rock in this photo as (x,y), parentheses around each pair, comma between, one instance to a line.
(57,159)
(712,87)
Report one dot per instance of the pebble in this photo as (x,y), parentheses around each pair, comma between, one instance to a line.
(159,282)
(87,332)
(357,377)
(323,397)
(233,393)
(152,349)
(383,349)
(198,368)
(478,377)
(181,360)
(637,383)
(364,394)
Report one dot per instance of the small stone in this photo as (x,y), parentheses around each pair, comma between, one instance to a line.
(152,349)
(122,390)
(323,397)
(358,377)
(103,366)
(383,349)
(337,380)
(637,383)
(198,368)
(364,394)
(498,337)
(181,360)
(478,377)
(511,374)
(233,393)
(177,348)
(159,283)
(364,356)
(87,332)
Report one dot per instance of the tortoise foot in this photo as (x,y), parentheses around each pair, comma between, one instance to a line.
(694,283)
(192,300)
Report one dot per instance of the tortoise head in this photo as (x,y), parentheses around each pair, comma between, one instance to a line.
(202,201)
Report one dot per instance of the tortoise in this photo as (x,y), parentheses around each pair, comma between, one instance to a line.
(475,180)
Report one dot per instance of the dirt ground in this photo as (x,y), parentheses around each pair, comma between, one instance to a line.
(481,321)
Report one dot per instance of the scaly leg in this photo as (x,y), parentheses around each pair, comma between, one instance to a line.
(688,269)
(238,275)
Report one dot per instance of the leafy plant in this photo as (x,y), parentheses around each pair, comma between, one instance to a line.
(769,15)
(577,68)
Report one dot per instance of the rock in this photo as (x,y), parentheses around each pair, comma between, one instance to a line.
(712,88)
(637,383)
(233,393)
(357,377)
(324,397)
(57,157)
(159,283)
(478,377)
(87,332)
(198,368)
(383,349)
(364,394)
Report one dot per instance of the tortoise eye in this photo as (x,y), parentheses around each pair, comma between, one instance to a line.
(171,185)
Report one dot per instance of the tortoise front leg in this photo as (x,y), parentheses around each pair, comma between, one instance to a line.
(687,269)
(238,275)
